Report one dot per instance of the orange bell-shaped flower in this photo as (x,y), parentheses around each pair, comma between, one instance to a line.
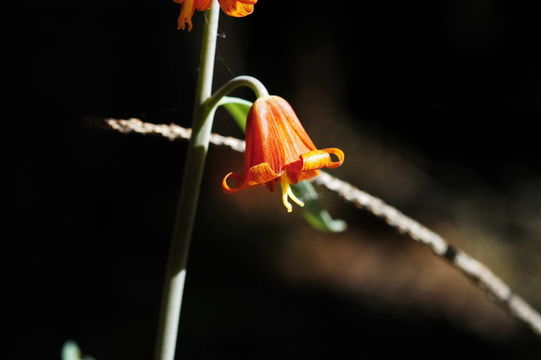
(235,8)
(278,149)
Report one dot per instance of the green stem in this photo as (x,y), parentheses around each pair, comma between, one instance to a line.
(255,85)
(189,194)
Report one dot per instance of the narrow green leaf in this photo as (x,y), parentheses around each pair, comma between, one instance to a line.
(312,211)
(238,108)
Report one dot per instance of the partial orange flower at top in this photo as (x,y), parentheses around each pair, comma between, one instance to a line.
(278,150)
(235,8)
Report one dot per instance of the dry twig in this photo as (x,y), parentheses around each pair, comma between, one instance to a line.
(474,270)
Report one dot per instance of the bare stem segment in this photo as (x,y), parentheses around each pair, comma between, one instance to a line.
(189,194)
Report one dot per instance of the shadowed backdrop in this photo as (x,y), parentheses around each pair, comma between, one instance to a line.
(434,103)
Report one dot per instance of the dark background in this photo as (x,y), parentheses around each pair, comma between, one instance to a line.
(435,103)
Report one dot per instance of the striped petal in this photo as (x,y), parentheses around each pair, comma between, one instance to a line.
(308,164)
(278,150)
(257,175)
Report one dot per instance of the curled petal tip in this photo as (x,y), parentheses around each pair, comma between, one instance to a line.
(339,155)
(228,189)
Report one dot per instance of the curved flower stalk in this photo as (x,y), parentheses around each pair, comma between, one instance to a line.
(235,8)
(278,150)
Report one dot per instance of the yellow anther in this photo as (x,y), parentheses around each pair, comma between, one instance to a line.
(287,192)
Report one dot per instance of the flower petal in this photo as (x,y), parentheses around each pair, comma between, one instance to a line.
(310,162)
(339,154)
(186,13)
(225,186)
(203,5)
(261,174)
(256,175)
(274,134)
(237,8)
(315,160)
(307,165)
(305,175)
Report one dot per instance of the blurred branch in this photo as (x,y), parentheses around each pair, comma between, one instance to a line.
(477,272)
(172,132)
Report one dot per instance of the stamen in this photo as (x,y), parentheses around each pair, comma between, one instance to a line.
(286,192)
(285,189)
(294,198)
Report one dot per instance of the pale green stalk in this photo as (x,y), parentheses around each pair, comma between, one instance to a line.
(189,194)
(203,116)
